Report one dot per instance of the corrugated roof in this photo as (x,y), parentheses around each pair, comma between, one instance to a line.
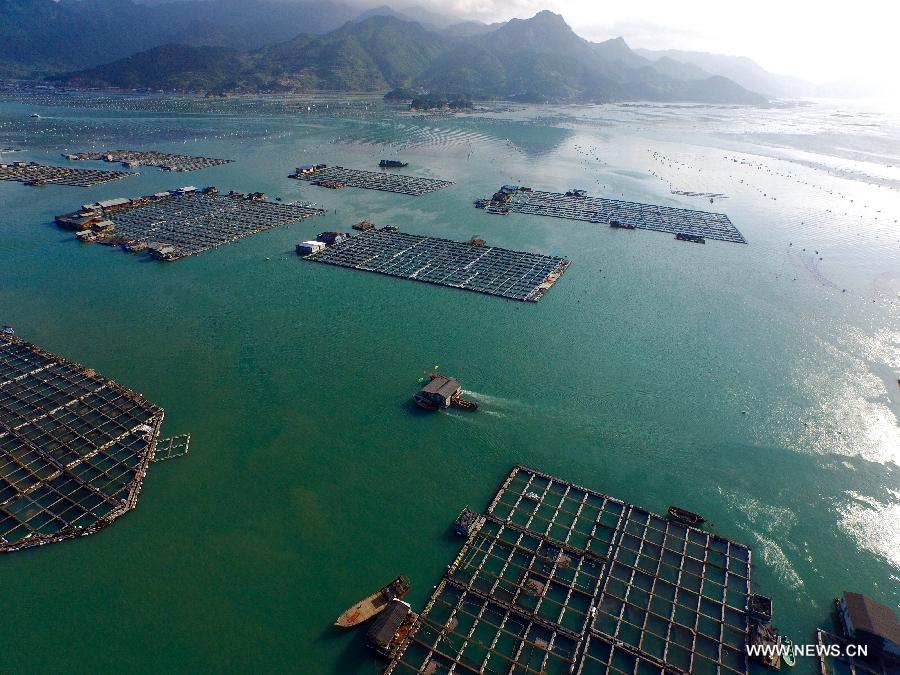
(872,617)
(119,201)
(443,386)
(386,624)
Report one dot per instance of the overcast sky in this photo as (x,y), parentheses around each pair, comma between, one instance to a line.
(821,41)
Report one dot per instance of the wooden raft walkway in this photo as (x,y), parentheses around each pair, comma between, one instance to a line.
(32,173)
(163,160)
(74,447)
(609,211)
(563,579)
(338,176)
(491,270)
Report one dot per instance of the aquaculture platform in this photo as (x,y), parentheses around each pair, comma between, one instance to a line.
(74,447)
(563,579)
(162,160)
(339,177)
(175,225)
(616,213)
(32,173)
(485,269)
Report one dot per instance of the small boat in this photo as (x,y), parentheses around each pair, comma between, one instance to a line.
(533,496)
(787,653)
(392,164)
(374,604)
(622,226)
(8,330)
(686,517)
(693,238)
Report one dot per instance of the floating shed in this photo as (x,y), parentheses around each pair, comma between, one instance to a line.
(871,623)
(485,269)
(338,176)
(189,221)
(74,447)
(307,247)
(563,579)
(575,205)
(383,633)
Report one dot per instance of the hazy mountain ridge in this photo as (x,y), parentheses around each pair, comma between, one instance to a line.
(40,36)
(534,59)
(745,71)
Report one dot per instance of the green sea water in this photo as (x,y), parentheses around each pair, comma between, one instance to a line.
(754,384)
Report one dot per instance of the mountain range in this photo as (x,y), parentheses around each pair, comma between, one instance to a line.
(536,59)
(277,45)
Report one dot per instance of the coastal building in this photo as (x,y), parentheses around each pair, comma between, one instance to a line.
(869,623)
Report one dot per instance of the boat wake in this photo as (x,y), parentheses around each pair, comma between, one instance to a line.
(496,402)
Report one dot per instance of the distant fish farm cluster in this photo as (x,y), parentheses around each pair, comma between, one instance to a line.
(32,173)
(577,205)
(471,266)
(180,223)
(74,447)
(336,177)
(558,578)
(162,160)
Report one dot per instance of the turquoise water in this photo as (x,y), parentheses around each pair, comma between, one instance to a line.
(754,384)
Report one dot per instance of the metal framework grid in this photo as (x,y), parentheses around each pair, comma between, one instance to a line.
(162,160)
(74,447)
(643,216)
(375,180)
(42,174)
(486,269)
(562,579)
(196,222)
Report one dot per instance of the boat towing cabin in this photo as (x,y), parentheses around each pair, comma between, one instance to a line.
(442,392)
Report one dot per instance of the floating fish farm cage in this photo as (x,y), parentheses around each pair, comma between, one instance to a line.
(74,447)
(181,225)
(620,213)
(484,269)
(338,176)
(563,579)
(32,173)
(162,160)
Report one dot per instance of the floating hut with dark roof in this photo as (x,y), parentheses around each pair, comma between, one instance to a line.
(870,623)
